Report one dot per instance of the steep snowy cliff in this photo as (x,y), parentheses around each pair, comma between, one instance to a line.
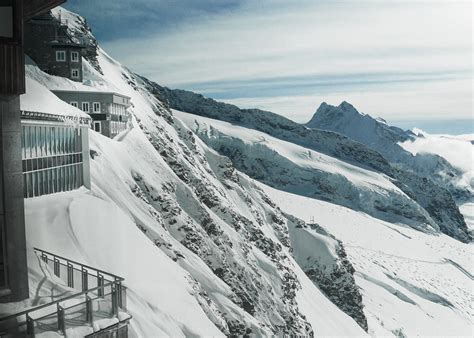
(207,250)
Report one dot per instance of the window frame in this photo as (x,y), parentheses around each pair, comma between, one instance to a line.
(73,70)
(74,104)
(88,107)
(60,52)
(94,105)
(74,56)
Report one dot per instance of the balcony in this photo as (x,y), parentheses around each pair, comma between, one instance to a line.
(95,307)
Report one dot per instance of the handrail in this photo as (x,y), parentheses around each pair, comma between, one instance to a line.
(39,307)
(117,278)
(110,327)
(28,114)
(108,285)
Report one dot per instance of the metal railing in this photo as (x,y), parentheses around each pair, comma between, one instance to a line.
(119,330)
(103,300)
(33,115)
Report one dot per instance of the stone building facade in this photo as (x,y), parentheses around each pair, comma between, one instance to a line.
(48,43)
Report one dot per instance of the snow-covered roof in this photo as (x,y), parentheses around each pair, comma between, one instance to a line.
(88,92)
(39,99)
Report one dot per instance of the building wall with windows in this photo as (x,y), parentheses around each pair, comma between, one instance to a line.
(109,111)
(49,45)
(55,155)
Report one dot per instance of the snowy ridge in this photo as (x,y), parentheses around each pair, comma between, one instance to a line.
(202,250)
(205,250)
(293,168)
(431,180)
(437,175)
(385,139)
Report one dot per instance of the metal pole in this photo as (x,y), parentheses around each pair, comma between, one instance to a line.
(61,320)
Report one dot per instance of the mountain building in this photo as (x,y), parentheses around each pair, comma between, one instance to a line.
(108,110)
(55,52)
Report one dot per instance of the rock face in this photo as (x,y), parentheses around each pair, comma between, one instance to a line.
(275,125)
(332,273)
(372,139)
(437,201)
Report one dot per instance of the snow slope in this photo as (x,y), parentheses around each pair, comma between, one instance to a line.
(202,250)
(206,252)
(300,170)
(351,137)
(386,139)
(39,99)
(412,283)
(462,159)
(432,181)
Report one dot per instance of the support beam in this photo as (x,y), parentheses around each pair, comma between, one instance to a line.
(11,201)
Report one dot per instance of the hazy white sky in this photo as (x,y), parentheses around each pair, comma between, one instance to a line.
(401,60)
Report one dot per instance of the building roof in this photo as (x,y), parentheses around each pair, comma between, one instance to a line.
(39,99)
(88,92)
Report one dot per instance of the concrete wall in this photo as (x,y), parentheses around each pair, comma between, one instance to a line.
(11,199)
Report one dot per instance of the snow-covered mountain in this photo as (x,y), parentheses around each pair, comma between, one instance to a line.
(428,191)
(184,207)
(386,139)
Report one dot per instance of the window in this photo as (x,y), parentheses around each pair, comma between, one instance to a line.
(74,104)
(56,166)
(74,56)
(85,107)
(96,107)
(60,56)
(75,73)
(97,127)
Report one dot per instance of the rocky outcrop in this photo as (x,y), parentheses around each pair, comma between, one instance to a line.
(323,258)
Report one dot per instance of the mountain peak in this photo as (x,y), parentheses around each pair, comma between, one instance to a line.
(347,107)
(327,111)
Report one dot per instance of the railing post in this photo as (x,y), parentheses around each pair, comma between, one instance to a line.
(118,283)
(89,313)
(61,321)
(57,267)
(44,257)
(100,284)
(85,279)
(70,275)
(114,299)
(30,326)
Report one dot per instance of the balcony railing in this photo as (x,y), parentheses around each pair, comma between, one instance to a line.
(32,115)
(101,296)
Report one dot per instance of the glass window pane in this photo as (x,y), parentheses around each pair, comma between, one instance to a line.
(30,185)
(35,183)
(25,187)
